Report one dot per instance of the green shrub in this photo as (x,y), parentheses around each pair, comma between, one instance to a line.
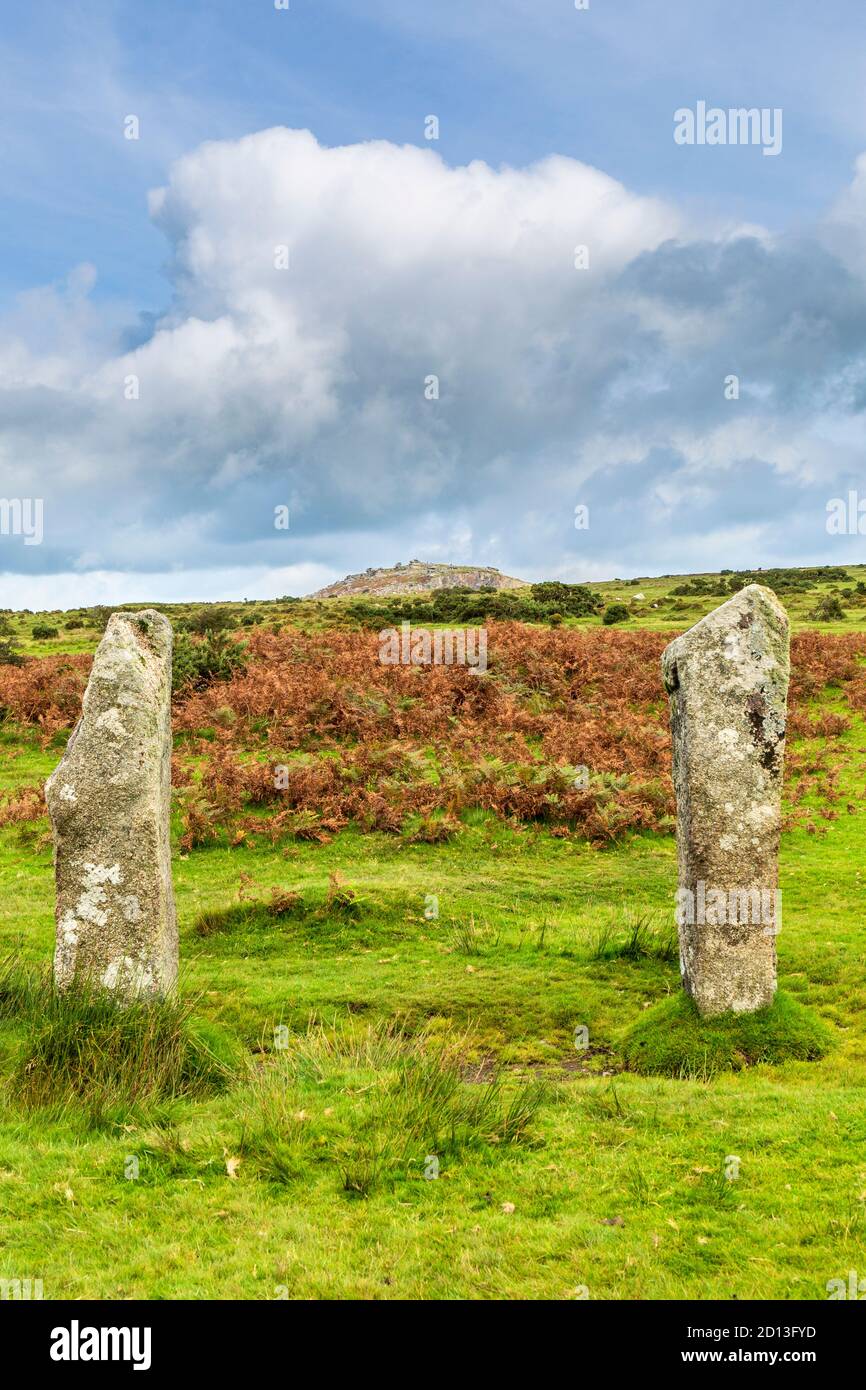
(9,656)
(98,617)
(197,663)
(574,599)
(43,631)
(210,619)
(459,604)
(616,613)
(827,610)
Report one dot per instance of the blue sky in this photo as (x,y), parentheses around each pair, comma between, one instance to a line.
(555,389)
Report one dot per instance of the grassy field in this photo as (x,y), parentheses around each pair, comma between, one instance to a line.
(419,1052)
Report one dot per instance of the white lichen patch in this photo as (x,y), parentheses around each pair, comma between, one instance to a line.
(69,929)
(89,907)
(131,908)
(731,744)
(66,948)
(67,793)
(102,873)
(126,975)
(111,721)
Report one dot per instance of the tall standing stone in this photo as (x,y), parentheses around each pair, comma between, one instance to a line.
(727,678)
(109,804)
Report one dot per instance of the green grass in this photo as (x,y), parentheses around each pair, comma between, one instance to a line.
(349,1038)
(81,1045)
(329,1198)
(673,1039)
(398,1106)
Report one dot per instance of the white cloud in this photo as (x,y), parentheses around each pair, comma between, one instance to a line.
(47,592)
(305,386)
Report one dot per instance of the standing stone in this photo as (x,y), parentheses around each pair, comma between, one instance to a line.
(727,678)
(109,805)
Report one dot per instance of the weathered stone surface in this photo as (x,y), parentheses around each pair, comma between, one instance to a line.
(109,805)
(727,678)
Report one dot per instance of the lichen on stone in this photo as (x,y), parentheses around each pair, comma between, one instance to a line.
(727,680)
(109,805)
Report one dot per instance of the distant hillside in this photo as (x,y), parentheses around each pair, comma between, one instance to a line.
(418,578)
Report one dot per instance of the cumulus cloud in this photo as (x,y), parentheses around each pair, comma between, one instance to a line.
(316,291)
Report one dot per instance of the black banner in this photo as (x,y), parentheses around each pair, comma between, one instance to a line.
(81,1339)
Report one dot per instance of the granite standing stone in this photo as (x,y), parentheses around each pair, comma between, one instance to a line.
(109,805)
(727,678)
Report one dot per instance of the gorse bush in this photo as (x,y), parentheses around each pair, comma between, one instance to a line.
(780,580)
(210,619)
(196,664)
(828,610)
(574,599)
(98,617)
(9,655)
(460,605)
(616,613)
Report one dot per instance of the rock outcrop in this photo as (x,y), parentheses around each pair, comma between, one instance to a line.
(417,578)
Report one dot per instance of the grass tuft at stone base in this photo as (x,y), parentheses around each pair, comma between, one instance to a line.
(673,1040)
(117,1059)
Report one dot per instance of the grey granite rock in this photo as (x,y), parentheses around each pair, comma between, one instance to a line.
(727,678)
(109,804)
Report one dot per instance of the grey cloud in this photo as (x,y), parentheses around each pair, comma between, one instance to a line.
(260,387)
